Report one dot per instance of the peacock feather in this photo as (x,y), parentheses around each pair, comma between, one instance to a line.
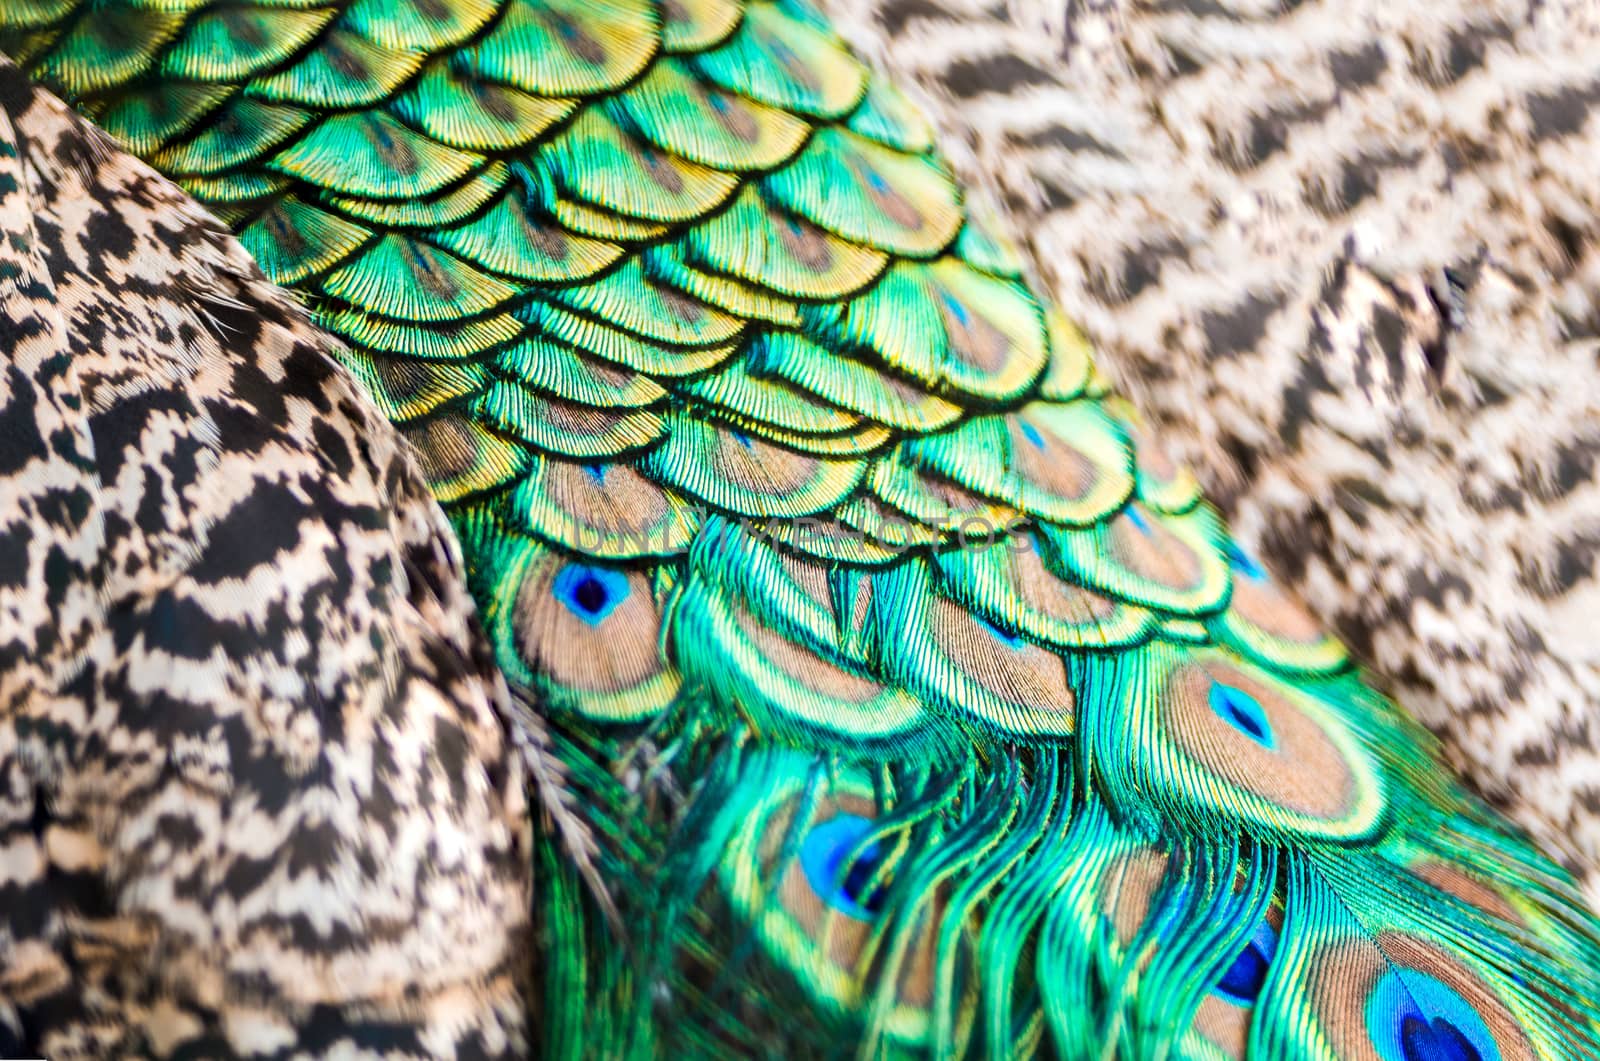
(1383,386)
(259,784)
(914,703)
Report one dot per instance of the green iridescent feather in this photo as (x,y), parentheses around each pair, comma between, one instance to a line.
(913,702)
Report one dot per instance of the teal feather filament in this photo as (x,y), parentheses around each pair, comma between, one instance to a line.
(1246,976)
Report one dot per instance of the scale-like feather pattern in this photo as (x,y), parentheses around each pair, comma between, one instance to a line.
(918,701)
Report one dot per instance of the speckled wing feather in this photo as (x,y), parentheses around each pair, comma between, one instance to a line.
(917,704)
(258,793)
(1345,257)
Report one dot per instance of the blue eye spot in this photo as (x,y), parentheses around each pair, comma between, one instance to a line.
(741,438)
(1241,710)
(597,472)
(1244,979)
(875,180)
(1245,564)
(957,310)
(1435,1040)
(780,51)
(1413,1016)
(1136,518)
(1011,640)
(849,890)
(1031,433)
(590,593)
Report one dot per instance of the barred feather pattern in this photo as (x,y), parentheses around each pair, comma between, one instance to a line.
(258,794)
(916,703)
(1345,258)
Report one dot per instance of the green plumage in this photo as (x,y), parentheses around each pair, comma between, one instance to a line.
(914,703)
